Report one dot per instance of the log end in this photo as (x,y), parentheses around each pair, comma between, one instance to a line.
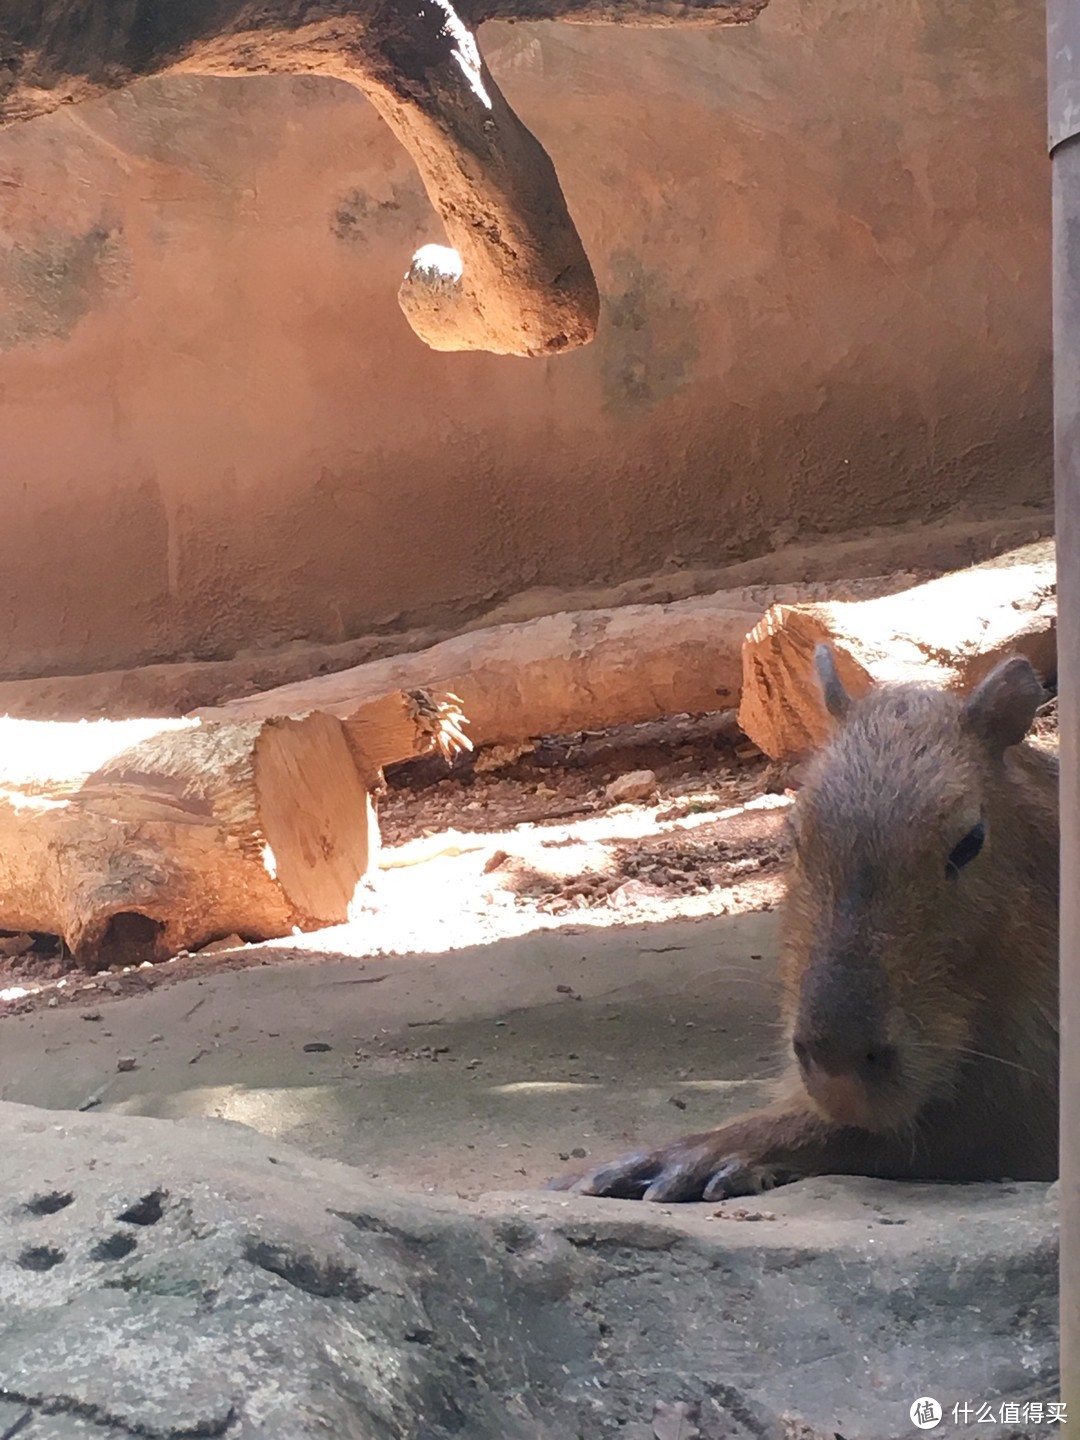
(948,632)
(316,815)
(782,709)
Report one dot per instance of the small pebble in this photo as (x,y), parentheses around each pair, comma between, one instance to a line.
(317,1047)
(155,1038)
(578,1153)
(126,1062)
(53,1001)
(637,785)
(91,1014)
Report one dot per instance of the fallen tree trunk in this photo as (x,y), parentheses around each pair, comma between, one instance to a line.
(181,687)
(132,840)
(581,670)
(949,631)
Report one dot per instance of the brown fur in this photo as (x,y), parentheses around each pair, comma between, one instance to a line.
(923,1002)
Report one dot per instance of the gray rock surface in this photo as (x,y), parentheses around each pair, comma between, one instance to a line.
(169,1279)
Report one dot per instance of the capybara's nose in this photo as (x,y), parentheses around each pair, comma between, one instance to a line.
(869,1061)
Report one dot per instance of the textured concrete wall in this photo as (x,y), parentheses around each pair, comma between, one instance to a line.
(822,244)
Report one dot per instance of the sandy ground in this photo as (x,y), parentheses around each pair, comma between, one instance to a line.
(536,975)
(482,1068)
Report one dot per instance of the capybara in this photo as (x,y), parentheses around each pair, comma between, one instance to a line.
(919,957)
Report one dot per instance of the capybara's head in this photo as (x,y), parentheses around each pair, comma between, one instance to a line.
(901,841)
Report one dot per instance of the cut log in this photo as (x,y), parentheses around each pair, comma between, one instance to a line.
(949,632)
(581,670)
(132,840)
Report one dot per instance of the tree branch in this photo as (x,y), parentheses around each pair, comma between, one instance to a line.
(515,278)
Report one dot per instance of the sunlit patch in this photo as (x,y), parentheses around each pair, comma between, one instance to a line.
(540,1087)
(30,749)
(437,262)
(466,52)
(18,801)
(272,1110)
(449,889)
(438,892)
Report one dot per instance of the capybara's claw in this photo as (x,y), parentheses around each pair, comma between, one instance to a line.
(676,1174)
(735,1179)
(627,1178)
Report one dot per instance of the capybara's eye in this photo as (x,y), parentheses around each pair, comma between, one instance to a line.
(965,852)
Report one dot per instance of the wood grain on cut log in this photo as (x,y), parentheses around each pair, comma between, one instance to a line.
(134,839)
(949,631)
(582,670)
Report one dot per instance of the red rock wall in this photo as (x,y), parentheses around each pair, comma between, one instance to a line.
(822,244)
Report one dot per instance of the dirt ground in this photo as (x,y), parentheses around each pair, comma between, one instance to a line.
(536,974)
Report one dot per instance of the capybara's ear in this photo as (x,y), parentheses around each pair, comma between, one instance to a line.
(837,700)
(1002,706)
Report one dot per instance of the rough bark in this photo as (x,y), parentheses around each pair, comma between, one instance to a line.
(515,278)
(578,670)
(134,839)
(949,631)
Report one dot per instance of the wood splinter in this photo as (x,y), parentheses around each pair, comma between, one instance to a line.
(438,724)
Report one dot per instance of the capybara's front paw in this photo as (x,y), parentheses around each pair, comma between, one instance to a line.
(701,1167)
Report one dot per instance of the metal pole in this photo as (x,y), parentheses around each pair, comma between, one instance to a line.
(1063,31)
